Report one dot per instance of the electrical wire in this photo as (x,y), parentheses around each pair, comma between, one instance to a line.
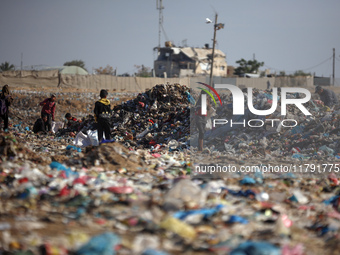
(305,68)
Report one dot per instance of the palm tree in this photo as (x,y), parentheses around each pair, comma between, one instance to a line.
(6,67)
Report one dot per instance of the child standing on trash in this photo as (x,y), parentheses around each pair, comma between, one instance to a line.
(49,109)
(102,114)
(5,101)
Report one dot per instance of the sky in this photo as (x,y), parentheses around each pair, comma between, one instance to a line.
(286,35)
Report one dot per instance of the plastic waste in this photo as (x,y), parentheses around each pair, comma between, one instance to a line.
(206,212)
(56,125)
(93,136)
(237,219)
(184,192)
(103,244)
(143,133)
(173,144)
(154,252)
(293,250)
(61,167)
(180,228)
(256,248)
(299,197)
(247,181)
(82,140)
(327,150)
(70,147)
(283,225)
(262,196)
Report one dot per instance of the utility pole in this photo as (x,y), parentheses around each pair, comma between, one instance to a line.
(213,52)
(333,66)
(160,7)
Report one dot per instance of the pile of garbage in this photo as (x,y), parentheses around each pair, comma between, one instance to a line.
(135,197)
(56,208)
(154,119)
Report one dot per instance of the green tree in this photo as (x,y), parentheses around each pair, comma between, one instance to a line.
(282,73)
(301,73)
(124,75)
(106,70)
(6,66)
(143,71)
(250,66)
(79,63)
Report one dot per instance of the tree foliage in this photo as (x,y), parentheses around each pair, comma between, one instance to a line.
(106,70)
(301,73)
(143,71)
(6,66)
(124,75)
(79,63)
(250,66)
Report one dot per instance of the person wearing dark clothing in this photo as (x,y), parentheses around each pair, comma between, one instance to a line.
(5,101)
(102,114)
(327,96)
(48,108)
(201,121)
(41,124)
(72,123)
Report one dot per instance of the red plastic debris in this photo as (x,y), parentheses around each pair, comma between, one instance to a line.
(121,190)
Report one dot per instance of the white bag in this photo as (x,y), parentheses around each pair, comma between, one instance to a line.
(82,140)
(56,125)
(93,136)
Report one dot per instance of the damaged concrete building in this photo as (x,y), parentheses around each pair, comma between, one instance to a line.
(188,61)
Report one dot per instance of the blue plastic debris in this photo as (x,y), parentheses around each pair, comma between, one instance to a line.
(103,244)
(241,193)
(72,147)
(207,212)
(154,252)
(332,200)
(237,219)
(107,141)
(256,248)
(61,167)
(247,181)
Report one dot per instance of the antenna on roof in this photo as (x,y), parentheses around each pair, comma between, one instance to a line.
(160,7)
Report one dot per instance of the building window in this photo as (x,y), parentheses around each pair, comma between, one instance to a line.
(161,67)
(222,68)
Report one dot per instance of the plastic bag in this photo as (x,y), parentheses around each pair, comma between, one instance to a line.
(93,135)
(82,140)
(56,125)
(103,244)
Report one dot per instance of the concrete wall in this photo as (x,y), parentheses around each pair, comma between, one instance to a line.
(36,79)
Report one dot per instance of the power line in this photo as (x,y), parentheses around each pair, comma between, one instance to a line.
(303,69)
